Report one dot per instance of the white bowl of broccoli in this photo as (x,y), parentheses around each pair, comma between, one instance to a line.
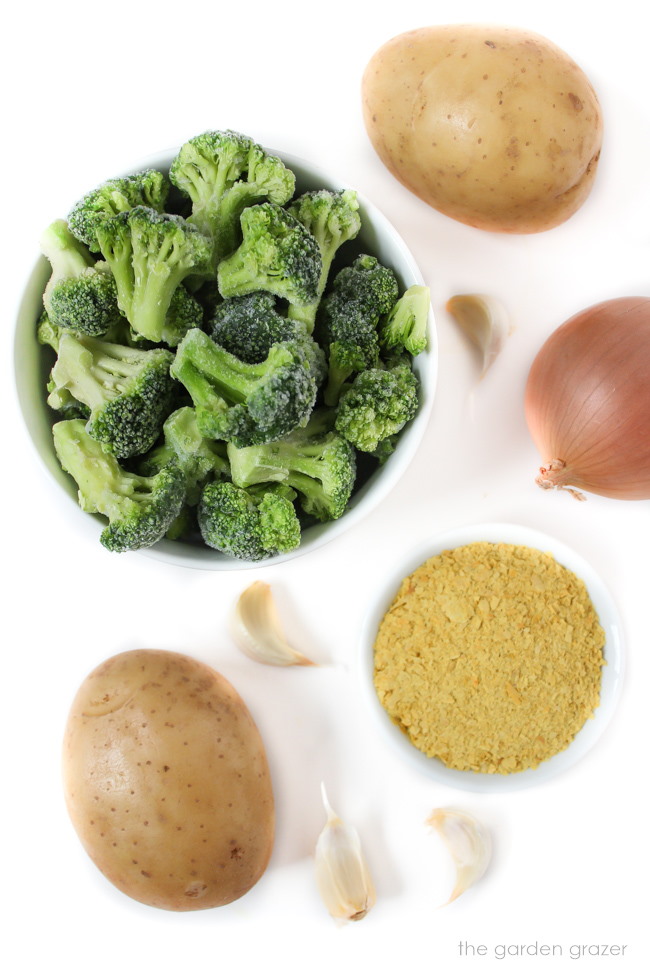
(224,356)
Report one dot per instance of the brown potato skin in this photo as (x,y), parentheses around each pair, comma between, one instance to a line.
(493,126)
(166,781)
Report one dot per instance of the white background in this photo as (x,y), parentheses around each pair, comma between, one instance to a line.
(89,89)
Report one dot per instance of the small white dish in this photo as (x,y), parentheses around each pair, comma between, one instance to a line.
(379,238)
(612,673)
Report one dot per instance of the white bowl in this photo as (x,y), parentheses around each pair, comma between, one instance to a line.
(32,362)
(611,676)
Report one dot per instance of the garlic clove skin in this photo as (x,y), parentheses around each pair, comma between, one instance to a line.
(342,875)
(255,627)
(485,322)
(469,843)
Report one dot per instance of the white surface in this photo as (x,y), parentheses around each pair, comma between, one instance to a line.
(85,93)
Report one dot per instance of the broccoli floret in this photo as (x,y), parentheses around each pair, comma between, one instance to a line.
(149,188)
(81,294)
(249,325)
(184,313)
(377,405)
(120,333)
(184,526)
(385,449)
(62,400)
(371,285)
(277,254)
(199,457)
(139,509)
(249,524)
(405,326)
(348,320)
(223,173)
(150,254)
(332,218)
(46,332)
(243,402)
(314,460)
(128,391)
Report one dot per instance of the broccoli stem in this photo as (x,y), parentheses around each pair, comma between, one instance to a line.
(199,386)
(102,483)
(65,253)
(152,295)
(304,314)
(236,278)
(89,369)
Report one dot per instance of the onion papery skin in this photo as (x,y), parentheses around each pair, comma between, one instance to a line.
(587,401)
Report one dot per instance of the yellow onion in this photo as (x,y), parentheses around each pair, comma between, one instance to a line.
(587,401)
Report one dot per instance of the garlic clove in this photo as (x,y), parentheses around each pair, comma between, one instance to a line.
(342,874)
(256,629)
(469,843)
(485,322)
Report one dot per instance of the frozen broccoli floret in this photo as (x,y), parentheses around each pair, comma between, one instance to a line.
(405,326)
(62,400)
(249,325)
(249,524)
(200,458)
(46,332)
(377,405)
(139,509)
(332,218)
(149,188)
(348,320)
(150,255)
(314,460)
(184,313)
(245,402)
(81,294)
(128,391)
(277,254)
(223,172)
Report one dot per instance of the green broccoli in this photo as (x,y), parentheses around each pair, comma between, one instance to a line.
(184,313)
(185,526)
(371,285)
(332,218)
(405,326)
(348,319)
(377,405)
(199,457)
(314,460)
(120,333)
(149,188)
(150,254)
(139,509)
(224,172)
(385,449)
(128,391)
(62,400)
(277,254)
(46,332)
(242,402)
(249,325)
(248,524)
(81,294)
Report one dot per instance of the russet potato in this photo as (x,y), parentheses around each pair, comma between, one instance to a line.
(167,782)
(494,126)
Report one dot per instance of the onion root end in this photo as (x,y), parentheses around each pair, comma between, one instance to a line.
(550,476)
